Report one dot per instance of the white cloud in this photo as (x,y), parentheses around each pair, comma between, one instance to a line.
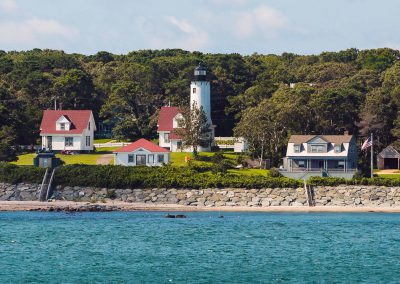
(263,20)
(8,6)
(182,25)
(33,30)
(173,33)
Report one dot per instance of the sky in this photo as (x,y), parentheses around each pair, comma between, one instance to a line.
(210,26)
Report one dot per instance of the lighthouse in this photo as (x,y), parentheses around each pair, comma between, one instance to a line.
(200,91)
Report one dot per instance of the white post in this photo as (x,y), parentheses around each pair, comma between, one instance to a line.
(372,155)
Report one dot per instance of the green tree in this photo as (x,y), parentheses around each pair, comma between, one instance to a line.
(194,128)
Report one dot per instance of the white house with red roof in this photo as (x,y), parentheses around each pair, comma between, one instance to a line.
(200,94)
(68,130)
(141,153)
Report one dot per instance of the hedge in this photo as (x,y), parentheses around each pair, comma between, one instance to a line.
(13,174)
(166,177)
(140,177)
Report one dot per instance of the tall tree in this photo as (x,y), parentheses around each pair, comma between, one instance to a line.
(194,128)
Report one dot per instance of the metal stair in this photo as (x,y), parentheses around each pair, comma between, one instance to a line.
(45,188)
(309,194)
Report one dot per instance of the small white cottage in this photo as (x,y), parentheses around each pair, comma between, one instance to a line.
(141,153)
(67,130)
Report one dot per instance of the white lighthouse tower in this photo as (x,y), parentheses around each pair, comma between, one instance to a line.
(200,94)
(200,91)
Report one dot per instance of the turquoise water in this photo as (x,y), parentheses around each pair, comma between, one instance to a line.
(144,247)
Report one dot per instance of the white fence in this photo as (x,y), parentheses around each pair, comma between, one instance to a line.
(237,144)
(111,144)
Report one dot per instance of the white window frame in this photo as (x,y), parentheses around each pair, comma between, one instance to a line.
(62,126)
(301,164)
(69,141)
(297,148)
(150,158)
(88,140)
(166,137)
(317,148)
(131,158)
(160,158)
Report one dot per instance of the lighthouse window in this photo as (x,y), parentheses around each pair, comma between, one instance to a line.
(194,90)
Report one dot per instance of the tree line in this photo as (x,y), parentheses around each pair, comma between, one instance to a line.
(263,97)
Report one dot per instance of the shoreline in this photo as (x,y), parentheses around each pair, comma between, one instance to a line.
(10,206)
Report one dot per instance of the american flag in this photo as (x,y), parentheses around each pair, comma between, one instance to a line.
(366,144)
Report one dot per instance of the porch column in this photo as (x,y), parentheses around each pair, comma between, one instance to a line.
(345,166)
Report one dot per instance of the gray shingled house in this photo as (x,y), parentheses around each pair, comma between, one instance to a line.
(320,155)
(389,158)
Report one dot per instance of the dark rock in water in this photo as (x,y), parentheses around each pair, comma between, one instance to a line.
(221,216)
(83,208)
(169,216)
(181,216)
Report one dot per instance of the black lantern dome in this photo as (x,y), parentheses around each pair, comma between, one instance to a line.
(200,72)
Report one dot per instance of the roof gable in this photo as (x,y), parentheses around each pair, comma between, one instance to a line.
(317,140)
(141,144)
(334,139)
(389,152)
(78,118)
(166,118)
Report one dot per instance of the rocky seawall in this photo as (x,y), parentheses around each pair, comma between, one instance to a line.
(345,195)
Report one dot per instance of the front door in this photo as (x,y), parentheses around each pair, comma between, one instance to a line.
(49,142)
(321,164)
(140,160)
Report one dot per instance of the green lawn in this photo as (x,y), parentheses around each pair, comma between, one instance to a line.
(177,159)
(249,172)
(102,140)
(393,176)
(89,159)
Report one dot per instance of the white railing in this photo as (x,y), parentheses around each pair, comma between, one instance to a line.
(111,144)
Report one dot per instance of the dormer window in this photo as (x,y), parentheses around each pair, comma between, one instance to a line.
(338,148)
(63,124)
(297,148)
(317,148)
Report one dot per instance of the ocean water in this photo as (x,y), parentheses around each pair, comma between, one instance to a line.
(145,247)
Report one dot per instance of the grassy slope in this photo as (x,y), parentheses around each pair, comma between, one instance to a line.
(177,159)
(89,159)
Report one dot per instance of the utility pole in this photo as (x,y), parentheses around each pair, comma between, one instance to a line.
(55,102)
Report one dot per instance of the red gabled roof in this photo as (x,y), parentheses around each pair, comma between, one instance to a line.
(165,120)
(141,143)
(79,119)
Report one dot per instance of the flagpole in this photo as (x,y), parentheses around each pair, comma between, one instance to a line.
(372,156)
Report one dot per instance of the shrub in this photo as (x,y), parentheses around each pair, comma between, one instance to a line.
(111,194)
(274,172)
(13,174)
(217,157)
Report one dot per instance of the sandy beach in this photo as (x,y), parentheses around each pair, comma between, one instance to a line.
(124,206)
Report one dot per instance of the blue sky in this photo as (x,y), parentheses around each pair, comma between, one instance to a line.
(216,26)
